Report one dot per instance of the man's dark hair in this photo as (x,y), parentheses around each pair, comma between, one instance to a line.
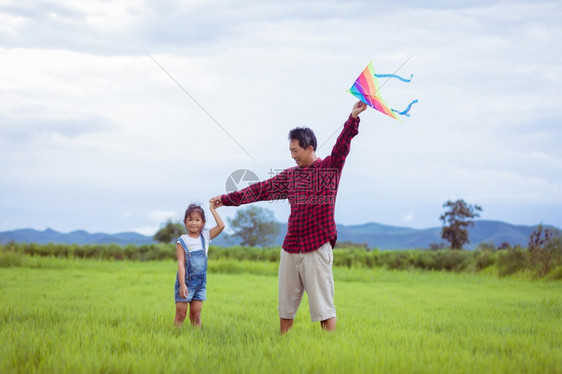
(305,136)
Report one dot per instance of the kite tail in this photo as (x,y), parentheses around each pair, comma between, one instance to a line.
(405,111)
(395,76)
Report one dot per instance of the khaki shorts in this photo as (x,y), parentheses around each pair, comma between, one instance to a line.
(310,272)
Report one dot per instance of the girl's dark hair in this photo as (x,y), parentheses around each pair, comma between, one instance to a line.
(305,136)
(194,208)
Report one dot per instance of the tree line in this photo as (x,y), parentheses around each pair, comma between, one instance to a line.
(543,261)
(256,226)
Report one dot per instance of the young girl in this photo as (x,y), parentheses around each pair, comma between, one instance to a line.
(192,249)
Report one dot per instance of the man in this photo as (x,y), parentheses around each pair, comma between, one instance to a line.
(311,188)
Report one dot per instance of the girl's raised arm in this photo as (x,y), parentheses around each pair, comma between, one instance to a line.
(215,231)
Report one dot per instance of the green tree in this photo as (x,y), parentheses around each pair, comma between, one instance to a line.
(255,226)
(169,232)
(539,238)
(545,249)
(455,220)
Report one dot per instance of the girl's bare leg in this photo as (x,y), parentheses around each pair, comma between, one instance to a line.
(195,312)
(181,312)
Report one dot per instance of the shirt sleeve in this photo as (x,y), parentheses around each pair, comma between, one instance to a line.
(178,240)
(343,143)
(271,189)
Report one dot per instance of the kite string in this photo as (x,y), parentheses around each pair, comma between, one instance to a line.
(319,225)
(161,305)
(378,283)
(169,297)
(200,106)
(381,86)
(405,111)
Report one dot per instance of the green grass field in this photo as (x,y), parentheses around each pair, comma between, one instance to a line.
(63,315)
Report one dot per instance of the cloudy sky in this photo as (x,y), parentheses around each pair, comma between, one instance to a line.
(97,134)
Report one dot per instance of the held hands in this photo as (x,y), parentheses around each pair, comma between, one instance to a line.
(215,202)
(358,108)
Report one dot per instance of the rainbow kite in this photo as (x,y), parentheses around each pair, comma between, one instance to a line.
(367,89)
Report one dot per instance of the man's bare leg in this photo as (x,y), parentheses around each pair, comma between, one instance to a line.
(329,324)
(286,324)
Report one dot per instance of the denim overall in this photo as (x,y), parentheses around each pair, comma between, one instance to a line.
(195,274)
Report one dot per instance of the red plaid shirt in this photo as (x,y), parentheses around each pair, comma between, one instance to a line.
(311,193)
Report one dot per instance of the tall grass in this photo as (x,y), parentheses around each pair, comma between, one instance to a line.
(544,263)
(84,316)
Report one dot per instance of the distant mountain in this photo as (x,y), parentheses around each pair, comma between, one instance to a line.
(373,234)
(388,237)
(500,232)
(376,235)
(74,237)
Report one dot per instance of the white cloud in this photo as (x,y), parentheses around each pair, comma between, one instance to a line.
(161,216)
(89,119)
(146,230)
(408,217)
